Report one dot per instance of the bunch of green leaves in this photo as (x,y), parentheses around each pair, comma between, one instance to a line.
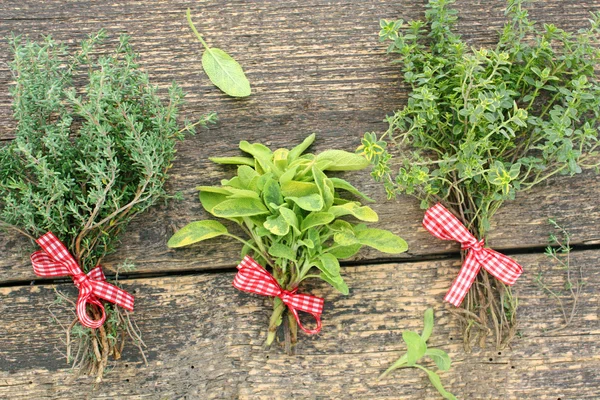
(416,349)
(559,252)
(292,213)
(482,124)
(93,144)
(222,70)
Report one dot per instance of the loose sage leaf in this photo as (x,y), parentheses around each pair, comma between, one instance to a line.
(223,71)
(315,219)
(340,160)
(363,213)
(279,250)
(196,232)
(312,202)
(233,160)
(437,383)
(427,324)
(239,208)
(382,240)
(416,347)
(440,357)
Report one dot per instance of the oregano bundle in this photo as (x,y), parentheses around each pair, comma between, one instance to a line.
(93,144)
(481,125)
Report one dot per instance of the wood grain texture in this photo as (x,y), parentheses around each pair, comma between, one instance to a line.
(204,341)
(315,66)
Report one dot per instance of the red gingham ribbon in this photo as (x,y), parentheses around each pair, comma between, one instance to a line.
(55,260)
(253,278)
(442,224)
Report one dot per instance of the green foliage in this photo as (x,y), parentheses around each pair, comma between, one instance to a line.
(290,210)
(417,348)
(222,70)
(483,124)
(85,159)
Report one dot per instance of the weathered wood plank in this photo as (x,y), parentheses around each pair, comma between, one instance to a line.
(205,340)
(315,67)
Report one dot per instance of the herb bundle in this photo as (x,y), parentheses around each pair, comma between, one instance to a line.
(481,125)
(85,161)
(290,211)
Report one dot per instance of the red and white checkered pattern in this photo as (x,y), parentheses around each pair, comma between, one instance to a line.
(253,278)
(55,260)
(442,224)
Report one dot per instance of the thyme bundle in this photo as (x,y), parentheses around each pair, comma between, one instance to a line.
(483,124)
(85,161)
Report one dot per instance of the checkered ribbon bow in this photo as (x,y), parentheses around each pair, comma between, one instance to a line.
(442,224)
(253,278)
(55,260)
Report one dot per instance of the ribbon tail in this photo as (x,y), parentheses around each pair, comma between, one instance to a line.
(316,316)
(113,294)
(464,280)
(502,267)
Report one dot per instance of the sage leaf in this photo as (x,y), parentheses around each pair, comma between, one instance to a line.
(312,202)
(440,357)
(239,208)
(279,250)
(339,183)
(337,283)
(363,213)
(222,70)
(298,189)
(277,225)
(416,347)
(340,160)
(437,383)
(342,252)
(210,199)
(329,264)
(427,324)
(301,148)
(382,240)
(290,217)
(196,232)
(233,160)
(316,219)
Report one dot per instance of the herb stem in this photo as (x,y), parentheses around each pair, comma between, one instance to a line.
(198,35)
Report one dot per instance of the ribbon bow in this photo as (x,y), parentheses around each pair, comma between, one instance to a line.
(253,278)
(55,260)
(442,224)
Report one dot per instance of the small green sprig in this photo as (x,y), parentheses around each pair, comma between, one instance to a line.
(481,125)
(292,214)
(417,349)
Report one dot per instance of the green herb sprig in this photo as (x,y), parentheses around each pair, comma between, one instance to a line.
(222,70)
(416,349)
(86,160)
(291,213)
(483,124)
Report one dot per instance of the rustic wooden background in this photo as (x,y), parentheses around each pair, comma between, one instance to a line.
(315,66)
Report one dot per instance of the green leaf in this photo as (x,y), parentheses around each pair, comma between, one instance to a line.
(196,232)
(437,383)
(210,199)
(222,70)
(298,189)
(325,187)
(340,160)
(440,357)
(298,150)
(279,250)
(246,174)
(345,238)
(277,225)
(363,213)
(416,347)
(427,324)
(344,185)
(272,193)
(337,282)
(261,153)
(382,240)
(233,160)
(342,252)
(316,219)
(313,202)
(239,208)
(290,217)
(329,264)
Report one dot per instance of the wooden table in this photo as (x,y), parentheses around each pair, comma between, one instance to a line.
(315,66)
